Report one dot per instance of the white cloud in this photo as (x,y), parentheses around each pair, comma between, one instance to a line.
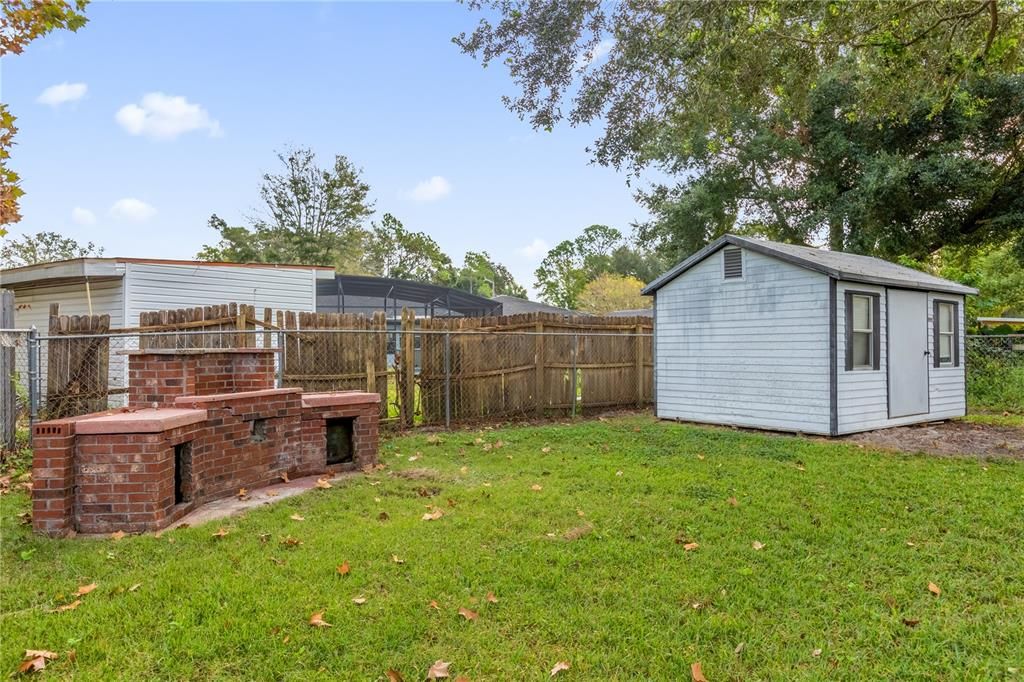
(83,216)
(535,250)
(164,117)
(597,52)
(132,210)
(431,190)
(62,93)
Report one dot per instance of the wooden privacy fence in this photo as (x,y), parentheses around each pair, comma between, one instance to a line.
(532,364)
(313,353)
(435,370)
(77,367)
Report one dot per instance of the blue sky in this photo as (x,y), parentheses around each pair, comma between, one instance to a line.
(140,174)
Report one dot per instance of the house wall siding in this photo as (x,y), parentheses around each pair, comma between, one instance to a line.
(750,352)
(863,394)
(160,286)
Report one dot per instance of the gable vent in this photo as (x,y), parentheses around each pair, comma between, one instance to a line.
(733,263)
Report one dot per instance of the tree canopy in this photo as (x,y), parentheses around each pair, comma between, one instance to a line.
(393,251)
(311,215)
(767,114)
(609,292)
(43,247)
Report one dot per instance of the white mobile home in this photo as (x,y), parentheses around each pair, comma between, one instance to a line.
(125,287)
(775,336)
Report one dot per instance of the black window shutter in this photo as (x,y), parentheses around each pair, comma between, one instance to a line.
(876,330)
(936,352)
(849,330)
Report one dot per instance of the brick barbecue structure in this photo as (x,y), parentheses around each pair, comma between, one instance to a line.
(218,425)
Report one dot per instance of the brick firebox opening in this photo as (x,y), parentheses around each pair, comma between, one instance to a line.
(183,472)
(340,449)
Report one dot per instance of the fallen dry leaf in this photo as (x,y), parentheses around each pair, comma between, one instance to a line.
(270,493)
(359,600)
(317,620)
(438,670)
(461,678)
(618,473)
(536,486)
(577,532)
(323,483)
(117,535)
(284,477)
(221,532)
(739,648)
(467,614)
(374,482)
(700,457)
(690,546)
(696,674)
(434,605)
(383,516)
(242,494)
(35,661)
(396,559)
(434,515)
(491,598)
(463,470)
(559,667)
(297,517)
(68,607)
(85,589)
(134,587)
(414,458)
(757,544)
(733,502)
(934,589)
(816,653)
(911,622)
(393,675)
(343,569)
(291,542)
(545,449)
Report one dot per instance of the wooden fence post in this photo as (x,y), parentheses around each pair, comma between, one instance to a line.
(8,410)
(639,366)
(408,367)
(540,393)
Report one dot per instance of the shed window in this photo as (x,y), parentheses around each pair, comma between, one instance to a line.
(863,342)
(946,321)
(732,263)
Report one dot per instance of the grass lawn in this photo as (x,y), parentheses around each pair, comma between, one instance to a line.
(591,568)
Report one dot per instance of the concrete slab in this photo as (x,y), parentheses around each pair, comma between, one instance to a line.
(147,420)
(230,506)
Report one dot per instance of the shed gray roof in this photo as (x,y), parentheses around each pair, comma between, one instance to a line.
(843,266)
(513,305)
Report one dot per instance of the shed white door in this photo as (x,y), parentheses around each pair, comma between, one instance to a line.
(907,352)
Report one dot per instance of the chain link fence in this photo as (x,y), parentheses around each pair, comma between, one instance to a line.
(995,372)
(425,377)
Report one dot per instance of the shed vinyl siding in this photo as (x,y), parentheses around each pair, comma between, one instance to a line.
(32,307)
(863,394)
(160,286)
(749,352)
(32,304)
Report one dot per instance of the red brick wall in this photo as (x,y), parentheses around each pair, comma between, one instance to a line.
(226,456)
(158,377)
(53,476)
(126,481)
(313,458)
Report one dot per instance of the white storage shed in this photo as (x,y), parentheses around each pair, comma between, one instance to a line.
(766,335)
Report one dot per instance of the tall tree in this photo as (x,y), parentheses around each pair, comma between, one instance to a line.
(609,292)
(43,247)
(481,274)
(22,22)
(393,251)
(688,86)
(311,214)
(568,267)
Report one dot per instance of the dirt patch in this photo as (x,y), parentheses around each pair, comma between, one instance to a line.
(949,438)
(418,474)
